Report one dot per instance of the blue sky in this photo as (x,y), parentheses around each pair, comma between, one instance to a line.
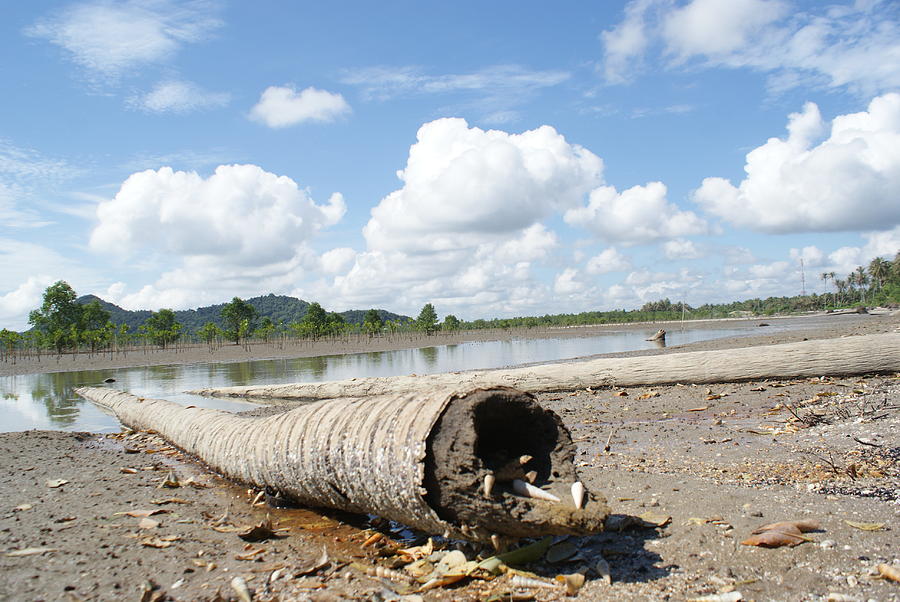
(495,159)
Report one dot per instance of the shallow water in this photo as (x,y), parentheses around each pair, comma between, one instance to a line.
(46,401)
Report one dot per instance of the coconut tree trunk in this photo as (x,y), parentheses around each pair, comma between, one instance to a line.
(851,355)
(420,459)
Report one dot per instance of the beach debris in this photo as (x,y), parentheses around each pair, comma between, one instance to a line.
(529,490)
(734,596)
(419,552)
(385,573)
(489,480)
(776,535)
(239,585)
(601,567)
(572,582)
(314,566)
(22,507)
(804,526)
(250,553)
(654,519)
(261,531)
(55,483)
(889,572)
(170,500)
(29,552)
(170,481)
(497,543)
(578,494)
(865,526)
(141,513)
(372,539)
(561,552)
(160,542)
(648,395)
(530,582)
(148,523)
(659,335)
(621,393)
(700,409)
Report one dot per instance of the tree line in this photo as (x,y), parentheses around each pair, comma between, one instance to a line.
(61,323)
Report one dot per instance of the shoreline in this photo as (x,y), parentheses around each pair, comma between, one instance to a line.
(810,326)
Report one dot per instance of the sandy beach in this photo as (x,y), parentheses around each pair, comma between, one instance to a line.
(704,466)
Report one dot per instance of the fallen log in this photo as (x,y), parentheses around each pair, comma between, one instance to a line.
(439,462)
(660,335)
(835,357)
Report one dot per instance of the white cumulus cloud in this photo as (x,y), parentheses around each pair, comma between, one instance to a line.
(638,215)
(179,97)
(281,106)
(608,260)
(240,214)
(848,181)
(681,248)
(463,185)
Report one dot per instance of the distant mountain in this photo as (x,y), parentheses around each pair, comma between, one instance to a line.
(278,308)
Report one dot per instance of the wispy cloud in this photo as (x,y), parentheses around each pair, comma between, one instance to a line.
(176,96)
(384,83)
(22,173)
(110,39)
(854,47)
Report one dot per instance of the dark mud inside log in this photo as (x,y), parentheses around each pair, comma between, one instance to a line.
(506,434)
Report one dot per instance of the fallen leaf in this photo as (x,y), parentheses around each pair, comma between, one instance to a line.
(648,395)
(171,500)
(22,507)
(65,519)
(418,552)
(561,551)
(170,481)
(148,523)
(141,513)
(29,552)
(320,563)
(774,539)
(573,583)
(621,394)
(758,389)
(802,526)
(714,396)
(886,571)
(56,483)
(159,542)
(698,409)
(260,532)
(865,526)
(124,470)
(655,520)
(250,555)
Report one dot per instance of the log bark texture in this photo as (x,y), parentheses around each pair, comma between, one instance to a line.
(417,459)
(843,356)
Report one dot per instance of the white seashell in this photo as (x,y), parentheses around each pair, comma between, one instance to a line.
(489,480)
(520,581)
(525,459)
(602,570)
(578,494)
(529,490)
(726,597)
(385,573)
(495,541)
(240,588)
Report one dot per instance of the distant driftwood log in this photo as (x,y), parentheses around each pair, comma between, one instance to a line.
(437,461)
(659,336)
(843,356)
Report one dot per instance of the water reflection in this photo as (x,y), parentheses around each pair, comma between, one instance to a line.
(46,401)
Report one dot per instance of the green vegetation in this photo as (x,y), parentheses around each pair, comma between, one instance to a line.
(427,320)
(238,316)
(66,322)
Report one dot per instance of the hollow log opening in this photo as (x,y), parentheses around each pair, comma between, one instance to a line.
(503,433)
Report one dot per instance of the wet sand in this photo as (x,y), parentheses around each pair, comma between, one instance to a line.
(708,463)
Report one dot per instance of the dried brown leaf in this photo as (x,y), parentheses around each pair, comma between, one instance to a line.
(774,539)
(652,519)
(648,395)
(142,513)
(889,572)
(621,394)
(158,542)
(700,409)
(22,507)
(260,532)
(170,500)
(126,470)
(802,526)
(250,555)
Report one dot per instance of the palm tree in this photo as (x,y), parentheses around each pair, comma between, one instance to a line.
(879,270)
(841,286)
(860,279)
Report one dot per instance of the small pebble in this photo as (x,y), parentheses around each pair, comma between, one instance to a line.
(826,544)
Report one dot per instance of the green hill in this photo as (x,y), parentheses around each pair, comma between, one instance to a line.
(278,308)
